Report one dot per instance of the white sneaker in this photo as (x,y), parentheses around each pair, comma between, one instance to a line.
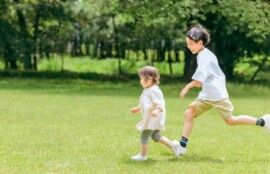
(266,119)
(139,157)
(178,149)
(182,150)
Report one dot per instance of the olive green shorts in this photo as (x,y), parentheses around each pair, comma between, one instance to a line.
(224,107)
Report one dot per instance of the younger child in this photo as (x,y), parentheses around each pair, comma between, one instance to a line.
(211,79)
(152,107)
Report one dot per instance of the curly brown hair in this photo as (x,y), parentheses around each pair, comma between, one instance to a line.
(149,72)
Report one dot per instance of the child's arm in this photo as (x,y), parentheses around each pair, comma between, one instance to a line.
(135,109)
(194,83)
(159,102)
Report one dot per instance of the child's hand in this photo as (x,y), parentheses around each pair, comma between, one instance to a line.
(134,110)
(156,112)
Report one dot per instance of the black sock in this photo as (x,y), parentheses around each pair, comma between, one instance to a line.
(183,142)
(260,122)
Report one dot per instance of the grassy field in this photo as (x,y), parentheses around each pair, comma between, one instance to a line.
(75,126)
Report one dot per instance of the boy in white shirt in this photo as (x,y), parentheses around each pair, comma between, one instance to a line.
(211,79)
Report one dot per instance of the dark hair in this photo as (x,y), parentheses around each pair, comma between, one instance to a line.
(149,72)
(197,33)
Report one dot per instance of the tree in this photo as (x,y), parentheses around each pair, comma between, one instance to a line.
(8,37)
(238,30)
(110,28)
(28,20)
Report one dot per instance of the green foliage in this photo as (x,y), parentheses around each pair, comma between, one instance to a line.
(49,65)
(248,66)
(109,28)
(249,17)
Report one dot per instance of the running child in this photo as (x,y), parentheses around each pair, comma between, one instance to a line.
(211,79)
(152,107)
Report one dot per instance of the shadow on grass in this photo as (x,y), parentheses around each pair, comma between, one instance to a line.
(69,75)
(197,159)
(108,85)
(182,159)
(148,162)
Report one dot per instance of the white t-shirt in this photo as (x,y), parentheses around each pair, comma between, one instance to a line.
(213,79)
(151,99)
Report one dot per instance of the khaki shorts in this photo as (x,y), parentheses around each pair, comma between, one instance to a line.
(224,107)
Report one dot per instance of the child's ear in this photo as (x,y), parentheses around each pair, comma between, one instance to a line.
(200,42)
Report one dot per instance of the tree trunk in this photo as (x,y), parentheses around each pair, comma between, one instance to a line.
(80,52)
(123,53)
(6,64)
(145,54)
(75,47)
(119,65)
(109,50)
(115,37)
(62,63)
(190,65)
(226,60)
(160,54)
(10,59)
(13,64)
(102,50)
(177,59)
(36,25)
(228,70)
(170,63)
(87,48)
(35,62)
(95,51)
(260,67)
(25,38)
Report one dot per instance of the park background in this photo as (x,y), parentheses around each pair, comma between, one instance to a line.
(68,77)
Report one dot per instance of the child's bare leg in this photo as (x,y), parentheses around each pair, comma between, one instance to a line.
(144,148)
(240,120)
(188,122)
(165,141)
(180,148)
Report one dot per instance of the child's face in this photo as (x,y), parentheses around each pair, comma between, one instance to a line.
(146,83)
(193,46)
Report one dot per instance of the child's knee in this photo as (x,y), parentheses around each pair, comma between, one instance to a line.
(190,113)
(144,140)
(230,121)
(145,137)
(156,137)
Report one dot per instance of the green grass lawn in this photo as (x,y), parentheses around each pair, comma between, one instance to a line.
(76,126)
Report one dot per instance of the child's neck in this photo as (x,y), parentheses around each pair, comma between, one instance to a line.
(150,86)
(203,47)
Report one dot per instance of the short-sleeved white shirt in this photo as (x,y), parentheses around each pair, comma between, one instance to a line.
(151,99)
(213,79)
